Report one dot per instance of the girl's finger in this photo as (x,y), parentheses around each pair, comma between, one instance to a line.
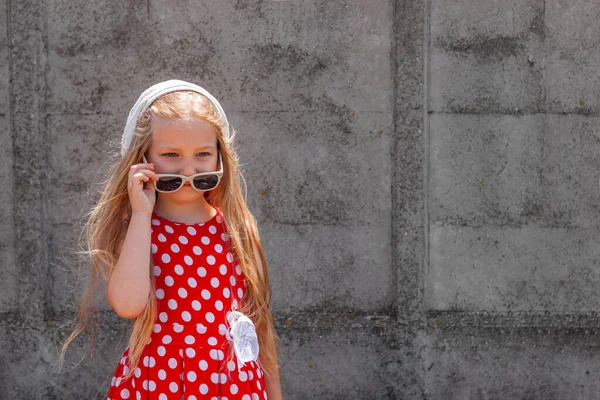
(148,173)
(139,178)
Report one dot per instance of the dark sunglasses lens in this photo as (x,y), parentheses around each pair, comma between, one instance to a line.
(168,184)
(206,182)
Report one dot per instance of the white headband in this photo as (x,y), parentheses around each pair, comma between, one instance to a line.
(154,92)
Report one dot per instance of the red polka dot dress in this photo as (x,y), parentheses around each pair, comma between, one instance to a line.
(197,282)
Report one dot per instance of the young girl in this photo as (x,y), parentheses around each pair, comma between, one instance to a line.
(181,255)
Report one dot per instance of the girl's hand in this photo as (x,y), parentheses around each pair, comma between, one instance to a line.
(141,191)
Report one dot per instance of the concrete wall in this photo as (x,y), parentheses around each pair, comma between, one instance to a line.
(424,175)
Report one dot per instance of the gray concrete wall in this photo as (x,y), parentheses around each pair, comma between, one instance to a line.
(424,175)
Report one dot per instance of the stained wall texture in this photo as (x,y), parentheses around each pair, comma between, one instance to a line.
(424,175)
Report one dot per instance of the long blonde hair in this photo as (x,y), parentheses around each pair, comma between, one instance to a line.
(104,230)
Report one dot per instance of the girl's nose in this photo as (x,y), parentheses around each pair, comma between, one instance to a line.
(188,169)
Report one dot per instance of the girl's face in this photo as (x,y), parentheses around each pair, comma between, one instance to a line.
(183,147)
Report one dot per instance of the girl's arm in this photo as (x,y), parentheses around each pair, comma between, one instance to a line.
(272,383)
(128,286)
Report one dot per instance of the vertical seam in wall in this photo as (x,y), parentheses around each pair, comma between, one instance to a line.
(44,125)
(395,285)
(16,298)
(426,142)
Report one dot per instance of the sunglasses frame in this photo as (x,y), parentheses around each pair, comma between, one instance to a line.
(190,178)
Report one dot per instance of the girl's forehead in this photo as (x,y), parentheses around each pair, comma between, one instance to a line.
(189,132)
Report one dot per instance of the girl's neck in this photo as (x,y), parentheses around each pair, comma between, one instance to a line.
(189,213)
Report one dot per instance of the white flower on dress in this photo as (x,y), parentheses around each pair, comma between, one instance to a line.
(243,335)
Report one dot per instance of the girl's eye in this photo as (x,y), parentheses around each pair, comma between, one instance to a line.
(203,152)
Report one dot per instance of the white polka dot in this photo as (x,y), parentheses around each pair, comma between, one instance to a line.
(250,374)
(179,269)
(145,385)
(238,270)
(210,317)
(160,293)
(235,304)
(154,248)
(220,354)
(172,304)
(189,339)
(255,396)
(197,250)
(211,260)
(243,376)
(191,376)
(226,293)
(125,393)
(240,293)
(223,269)
(214,377)
(246,397)
(165,258)
(218,248)
(225,237)
(218,218)
(258,384)
(188,260)
(168,229)
(183,293)
(191,353)
(212,229)
(163,317)
(229,257)
(156,328)
(214,282)
(192,282)
(183,240)
(169,281)
(161,237)
(203,388)
(167,339)
(152,386)
(173,387)
(192,397)
(213,354)
(172,363)
(230,365)
(138,372)
(205,240)
(219,305)
(212,341)
(162,374)
(164,397)
(161,351)
(175,248)
(233,388)
(186,316)
(156,270)
(203,365)
(202,271)
(155,222)
(222,329)
(232,280)
(191,230)
(177,327)
(223,377)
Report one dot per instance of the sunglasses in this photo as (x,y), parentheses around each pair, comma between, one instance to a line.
(202,181)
